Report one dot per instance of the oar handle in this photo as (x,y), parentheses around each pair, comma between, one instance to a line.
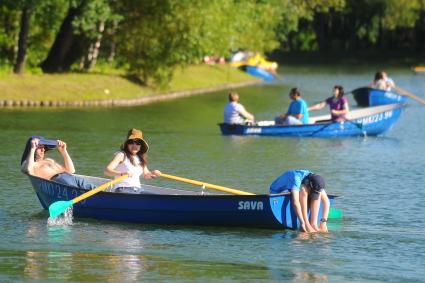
(207,185)
(409,94)
(98,189)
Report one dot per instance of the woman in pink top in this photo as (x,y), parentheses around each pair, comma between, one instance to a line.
(131,160)
(338,104)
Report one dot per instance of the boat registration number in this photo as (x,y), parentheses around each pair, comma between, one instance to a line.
(57,192)
(375,118)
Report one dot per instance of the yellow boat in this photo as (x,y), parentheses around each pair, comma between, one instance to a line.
(257,60)
(419,69)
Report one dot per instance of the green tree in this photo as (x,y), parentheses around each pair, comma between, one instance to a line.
(82,23)
(158,36)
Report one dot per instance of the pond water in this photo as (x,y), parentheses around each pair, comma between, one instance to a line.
(380,180)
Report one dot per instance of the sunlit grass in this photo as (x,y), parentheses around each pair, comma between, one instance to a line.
(111,85)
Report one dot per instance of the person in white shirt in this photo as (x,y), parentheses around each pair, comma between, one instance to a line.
(235,113)
(382,81)
(131,160)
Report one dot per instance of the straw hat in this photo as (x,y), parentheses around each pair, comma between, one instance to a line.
(135,134)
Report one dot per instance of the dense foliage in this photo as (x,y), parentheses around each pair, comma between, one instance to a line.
(150,38)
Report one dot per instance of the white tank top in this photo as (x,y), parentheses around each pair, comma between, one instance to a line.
(127,166)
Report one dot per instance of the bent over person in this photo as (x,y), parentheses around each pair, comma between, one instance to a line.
(307,190)
(34,162)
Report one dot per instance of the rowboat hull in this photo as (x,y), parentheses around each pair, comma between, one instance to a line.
(370,121)
(366,96)
(158,205)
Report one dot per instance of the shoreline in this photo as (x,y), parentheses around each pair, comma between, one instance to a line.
(27,103)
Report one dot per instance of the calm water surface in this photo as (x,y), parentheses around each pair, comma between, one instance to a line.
(381,181)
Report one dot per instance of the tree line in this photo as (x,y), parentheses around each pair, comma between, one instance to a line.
(150,38)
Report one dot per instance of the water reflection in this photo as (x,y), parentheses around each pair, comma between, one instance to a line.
(62,262)
(83,266)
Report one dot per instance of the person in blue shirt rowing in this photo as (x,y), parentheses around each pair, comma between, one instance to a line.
(297,113)
(307,190)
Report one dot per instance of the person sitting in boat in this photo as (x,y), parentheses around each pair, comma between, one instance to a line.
(338,104)
(382,81)
(307,190)
(235,113)
(131,160)
(297,113)
(34,162)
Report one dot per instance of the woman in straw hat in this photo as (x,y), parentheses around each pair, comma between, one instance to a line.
(131,160)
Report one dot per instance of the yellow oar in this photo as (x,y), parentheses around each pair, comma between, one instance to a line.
(206,185)
(59,207)
(409,94)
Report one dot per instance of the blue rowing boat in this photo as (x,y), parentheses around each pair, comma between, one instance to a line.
(366,96)
(371,121)
(159,205)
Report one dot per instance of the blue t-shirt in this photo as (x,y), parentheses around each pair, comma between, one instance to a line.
(288,181)
(299,107)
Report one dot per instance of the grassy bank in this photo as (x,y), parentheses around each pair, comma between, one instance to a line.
(113,85)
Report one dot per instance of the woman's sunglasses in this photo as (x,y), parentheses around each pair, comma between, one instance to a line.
(136,142)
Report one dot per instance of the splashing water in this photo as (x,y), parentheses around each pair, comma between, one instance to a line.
(66,219)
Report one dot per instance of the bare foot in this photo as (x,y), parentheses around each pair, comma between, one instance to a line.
(323,227)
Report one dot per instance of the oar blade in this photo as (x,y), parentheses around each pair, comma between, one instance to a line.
(59,207)
(335,213)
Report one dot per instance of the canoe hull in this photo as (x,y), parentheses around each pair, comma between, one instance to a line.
(256,211)
(371,124)
(366,96)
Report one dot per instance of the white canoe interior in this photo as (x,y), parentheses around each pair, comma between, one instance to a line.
(149,189)
(352,115)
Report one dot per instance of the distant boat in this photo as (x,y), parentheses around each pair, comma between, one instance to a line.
(371,121)
(255,65)
(260,73)
(419,69)
(366,96)
(159,205)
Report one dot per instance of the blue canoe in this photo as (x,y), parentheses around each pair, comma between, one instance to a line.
(366,96)
(159,205)
(371,121)
(260,73)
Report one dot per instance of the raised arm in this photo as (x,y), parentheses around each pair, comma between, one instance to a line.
(28,165)
(68,164)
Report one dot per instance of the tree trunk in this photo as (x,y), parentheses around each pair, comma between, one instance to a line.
(23,38)
(67,46)
(113,45)
(94,48)
(320,27)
